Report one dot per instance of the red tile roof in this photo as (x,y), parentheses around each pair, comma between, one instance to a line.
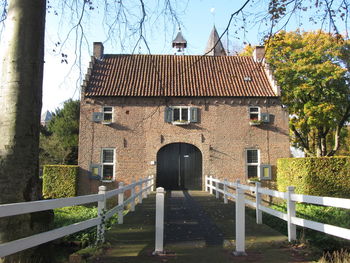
(180,76)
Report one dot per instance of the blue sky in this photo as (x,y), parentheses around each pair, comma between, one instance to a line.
(61,80)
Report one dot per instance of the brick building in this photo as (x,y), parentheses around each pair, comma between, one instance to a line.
(179,117)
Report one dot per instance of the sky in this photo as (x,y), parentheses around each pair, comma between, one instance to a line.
(61,79)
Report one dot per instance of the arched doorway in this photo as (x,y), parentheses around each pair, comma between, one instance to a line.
(179,167)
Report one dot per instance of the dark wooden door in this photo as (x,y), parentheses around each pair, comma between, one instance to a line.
(179,167)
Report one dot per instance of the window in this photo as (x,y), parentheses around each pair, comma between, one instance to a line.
(107,114)
(107,161)
(254,113)
(253,162)
(181,114)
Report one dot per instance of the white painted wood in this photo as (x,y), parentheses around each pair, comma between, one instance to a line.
(240,223)
(292,234)
(233,196)
(225,191)
(258,212)
(246,187)
(101,207)
(114,192)
(328,229)
(211,185)
(36,206)
(159,241)
(273,212)
(274,193)
(140,191)
(35,240)
(132,207)
(121,203)
(206,184)
(319,200)
(217,189)
(250,203)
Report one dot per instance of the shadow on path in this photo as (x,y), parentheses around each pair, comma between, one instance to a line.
(185,220)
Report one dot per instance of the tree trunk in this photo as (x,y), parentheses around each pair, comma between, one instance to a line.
(20,106)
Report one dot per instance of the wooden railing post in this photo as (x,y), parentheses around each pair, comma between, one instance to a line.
(121,202)
(292,233)
(258,212)
(159,222)
(101,207)
(148,184)
(225,191)
(237,184)
(133,200)
(211,184)
(206,184)
(153,183)
(216,189)
(240,223)
(140,189)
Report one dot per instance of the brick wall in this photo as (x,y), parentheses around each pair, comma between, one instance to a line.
(138,132)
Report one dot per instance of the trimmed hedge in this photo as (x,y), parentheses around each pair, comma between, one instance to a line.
(60,181)
(322,176)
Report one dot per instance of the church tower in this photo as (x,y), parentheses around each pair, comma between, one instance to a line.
(212,49)
(179,43)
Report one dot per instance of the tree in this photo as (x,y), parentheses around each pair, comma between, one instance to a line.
(20,106)
(59,144)
(311,69)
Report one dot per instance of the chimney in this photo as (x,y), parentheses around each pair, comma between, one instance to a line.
(259,53)
(98,50)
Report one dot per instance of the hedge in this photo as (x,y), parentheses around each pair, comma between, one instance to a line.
(60,181)
(321,176)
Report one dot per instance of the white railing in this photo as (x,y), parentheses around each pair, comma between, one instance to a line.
(213,184)
(139,190)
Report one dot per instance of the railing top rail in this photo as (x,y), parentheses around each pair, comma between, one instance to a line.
(322,200)
(42,205)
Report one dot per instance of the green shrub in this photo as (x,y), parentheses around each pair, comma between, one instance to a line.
(324,176)
(60,181)
(69,215)
(322,214)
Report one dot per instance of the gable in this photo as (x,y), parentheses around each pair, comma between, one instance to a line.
(178,76)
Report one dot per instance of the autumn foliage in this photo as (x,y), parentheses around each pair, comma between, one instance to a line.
(313,72)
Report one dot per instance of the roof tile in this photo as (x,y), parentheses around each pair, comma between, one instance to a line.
(180,76)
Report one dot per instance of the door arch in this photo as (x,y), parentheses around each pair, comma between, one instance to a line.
(179,167)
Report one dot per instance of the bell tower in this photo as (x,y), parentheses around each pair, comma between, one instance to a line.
(179,44)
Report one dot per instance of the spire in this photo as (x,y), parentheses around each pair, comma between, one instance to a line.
(218,50)
(179,42)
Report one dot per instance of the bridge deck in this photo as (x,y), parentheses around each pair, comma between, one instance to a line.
(198,228)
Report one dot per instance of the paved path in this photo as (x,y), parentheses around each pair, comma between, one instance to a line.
(199,228)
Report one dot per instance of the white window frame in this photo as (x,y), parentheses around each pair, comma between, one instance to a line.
(252,164)
(103,163)
(180,114)
(110,112)
(255,112)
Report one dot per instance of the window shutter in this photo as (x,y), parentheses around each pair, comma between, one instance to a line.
(168,114)
(193,114)
(265,117)
(265,172)
(95,171)
(97,116)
